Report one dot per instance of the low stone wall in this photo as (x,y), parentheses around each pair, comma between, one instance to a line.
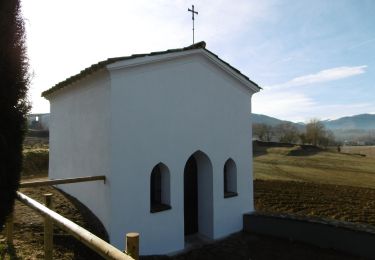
(347,237)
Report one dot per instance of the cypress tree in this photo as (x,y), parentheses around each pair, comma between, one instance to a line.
(14,81)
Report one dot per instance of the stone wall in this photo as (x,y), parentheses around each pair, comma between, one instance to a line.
(347,237)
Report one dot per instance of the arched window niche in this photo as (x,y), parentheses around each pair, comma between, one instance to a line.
(160,189)
(230,179)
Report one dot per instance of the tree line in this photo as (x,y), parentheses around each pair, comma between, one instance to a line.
(314,133)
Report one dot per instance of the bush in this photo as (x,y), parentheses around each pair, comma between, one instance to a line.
(35,162)
(14,80)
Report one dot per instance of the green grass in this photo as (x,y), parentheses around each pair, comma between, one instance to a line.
(314,165)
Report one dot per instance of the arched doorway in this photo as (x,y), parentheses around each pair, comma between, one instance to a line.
(198,195)
(191,196)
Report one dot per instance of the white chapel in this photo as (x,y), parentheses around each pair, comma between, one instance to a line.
(171,131)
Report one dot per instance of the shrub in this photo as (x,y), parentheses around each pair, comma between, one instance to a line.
(35,162)
(14,81)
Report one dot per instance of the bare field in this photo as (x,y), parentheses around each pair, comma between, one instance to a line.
(309,181)
(313,165)
(365,150)
(342,203)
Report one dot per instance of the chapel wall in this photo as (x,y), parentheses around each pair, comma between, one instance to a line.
(165,112)
(79,140)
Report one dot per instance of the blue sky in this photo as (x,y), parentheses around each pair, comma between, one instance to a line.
(314,59)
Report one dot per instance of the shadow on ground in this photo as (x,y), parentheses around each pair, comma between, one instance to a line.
(260,148)
(245,246)
(304,150)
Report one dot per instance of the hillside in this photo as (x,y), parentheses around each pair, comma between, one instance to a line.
(272,121)
(263,119)
(358,128)
(313,165)
(308,181)
(363,122)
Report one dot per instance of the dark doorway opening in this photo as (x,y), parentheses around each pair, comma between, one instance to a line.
(191,196)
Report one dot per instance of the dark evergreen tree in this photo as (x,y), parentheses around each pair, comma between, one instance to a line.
(14,81)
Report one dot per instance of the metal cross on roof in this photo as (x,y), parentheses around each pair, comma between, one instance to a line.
(192,17)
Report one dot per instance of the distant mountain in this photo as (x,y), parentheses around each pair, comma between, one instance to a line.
(350,128)
(358,129)
(358,122)
(263,119)
(272,121)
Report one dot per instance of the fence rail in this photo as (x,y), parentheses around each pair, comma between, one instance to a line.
(95,243)
(61,181)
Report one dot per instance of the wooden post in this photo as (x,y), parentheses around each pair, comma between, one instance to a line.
(132,245)
(107,251)
(48,230)
(9,229)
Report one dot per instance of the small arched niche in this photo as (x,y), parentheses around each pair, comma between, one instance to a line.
(230,179)
(160,188)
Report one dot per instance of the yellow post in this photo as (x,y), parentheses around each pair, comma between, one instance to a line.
(48,229)
(9,229)
(132,245)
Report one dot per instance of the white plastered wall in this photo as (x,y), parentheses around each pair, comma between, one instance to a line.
(164,112)
(79,140)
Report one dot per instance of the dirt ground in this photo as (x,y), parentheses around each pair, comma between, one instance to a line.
(28,228)
(244,246)
(343,203)
(271,196)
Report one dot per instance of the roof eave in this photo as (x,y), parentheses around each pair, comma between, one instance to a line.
(70,81)
(149,59)
(232,71)
(170,56)
(139,59)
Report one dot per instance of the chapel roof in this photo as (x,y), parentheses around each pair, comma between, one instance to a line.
(102,64)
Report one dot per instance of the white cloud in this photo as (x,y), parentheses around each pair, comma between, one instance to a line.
(334,111)
(322,76)
(299,107)
(285,105)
